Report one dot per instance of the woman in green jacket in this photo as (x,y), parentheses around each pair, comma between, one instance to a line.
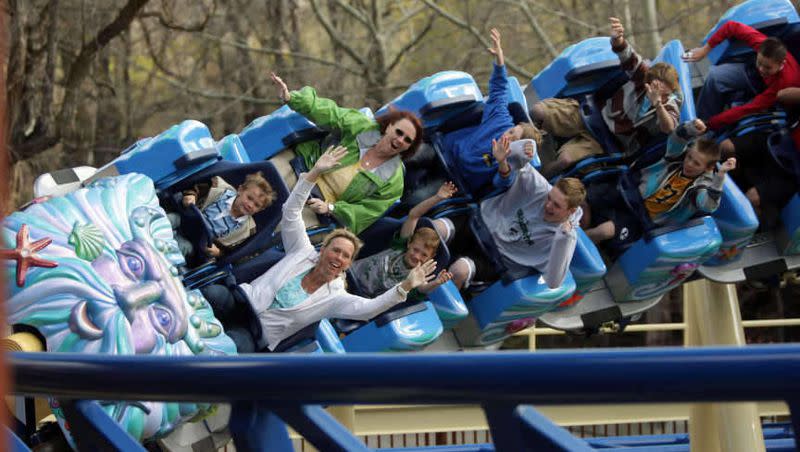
(369,179)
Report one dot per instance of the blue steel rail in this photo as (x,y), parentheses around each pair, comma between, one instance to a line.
(268,390)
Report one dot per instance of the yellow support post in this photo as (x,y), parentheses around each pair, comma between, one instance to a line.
(712,317)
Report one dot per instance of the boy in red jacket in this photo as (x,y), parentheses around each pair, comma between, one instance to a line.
(777,69)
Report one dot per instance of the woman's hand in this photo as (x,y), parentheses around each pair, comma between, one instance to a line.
(419,275)
(328,160)
(319,206)
(446,191)
(617,31)
(283,91)
(497,50)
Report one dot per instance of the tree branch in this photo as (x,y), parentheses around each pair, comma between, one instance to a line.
(335,37)
(78,70)
(411,44)
(537,28)
(269,51)
(215,95)
(358,15)
(167,21)
(477,34)
(401,21)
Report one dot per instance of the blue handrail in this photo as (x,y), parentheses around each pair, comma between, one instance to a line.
(764,372)
(268,390)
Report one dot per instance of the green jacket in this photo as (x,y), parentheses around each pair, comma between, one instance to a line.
(370,193)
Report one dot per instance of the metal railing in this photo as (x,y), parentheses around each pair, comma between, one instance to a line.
(267,391)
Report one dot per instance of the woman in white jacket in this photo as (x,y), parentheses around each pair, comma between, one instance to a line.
(306,286)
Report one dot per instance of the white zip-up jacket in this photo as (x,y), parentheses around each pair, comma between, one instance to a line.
(331,300)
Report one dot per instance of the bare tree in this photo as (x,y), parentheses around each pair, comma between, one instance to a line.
(35,127)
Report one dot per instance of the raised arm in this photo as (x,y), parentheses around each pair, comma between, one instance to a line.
(629,60)
(293,229)
(501,149)
(496,49)
(561,251)
(446,191)
(350,306)
(682,135)
(707,198)
(498,82)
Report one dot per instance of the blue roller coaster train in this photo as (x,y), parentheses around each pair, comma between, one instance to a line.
(88,229)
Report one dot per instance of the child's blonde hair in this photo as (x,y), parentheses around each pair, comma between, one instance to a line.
(429,237)
(257,180)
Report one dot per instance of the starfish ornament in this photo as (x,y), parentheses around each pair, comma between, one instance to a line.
(25,255)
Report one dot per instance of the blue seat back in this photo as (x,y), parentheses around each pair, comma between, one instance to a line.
(438,97)
(587,267)
(781,148)
(672,53)
(283,128)
(231,149)
(445,299)
(581,68)
(650,268)
(790,218)
(504,309)
(407,327)
(167,158)
(266,220)
(772,17)
(737,223)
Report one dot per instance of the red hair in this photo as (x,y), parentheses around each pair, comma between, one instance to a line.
(392,116)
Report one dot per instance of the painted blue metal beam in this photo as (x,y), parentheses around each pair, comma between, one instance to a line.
(769,372)
(320,428)
(97,430)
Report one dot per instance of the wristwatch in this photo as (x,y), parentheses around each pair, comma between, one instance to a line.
(331,207)
(402,291)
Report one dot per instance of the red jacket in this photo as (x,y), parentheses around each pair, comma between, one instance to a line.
(788,76)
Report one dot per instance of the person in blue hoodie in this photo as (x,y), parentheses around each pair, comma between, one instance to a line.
(471,150)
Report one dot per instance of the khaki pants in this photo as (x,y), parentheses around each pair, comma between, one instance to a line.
(562,118)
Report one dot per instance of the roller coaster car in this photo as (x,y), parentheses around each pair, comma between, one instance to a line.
(776,18)
(501,308)
(665,257)
(744,253)
(448,133)
(168,158)
(195,227)
(408,326)
(643,271)
(437,98)
(318,337)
